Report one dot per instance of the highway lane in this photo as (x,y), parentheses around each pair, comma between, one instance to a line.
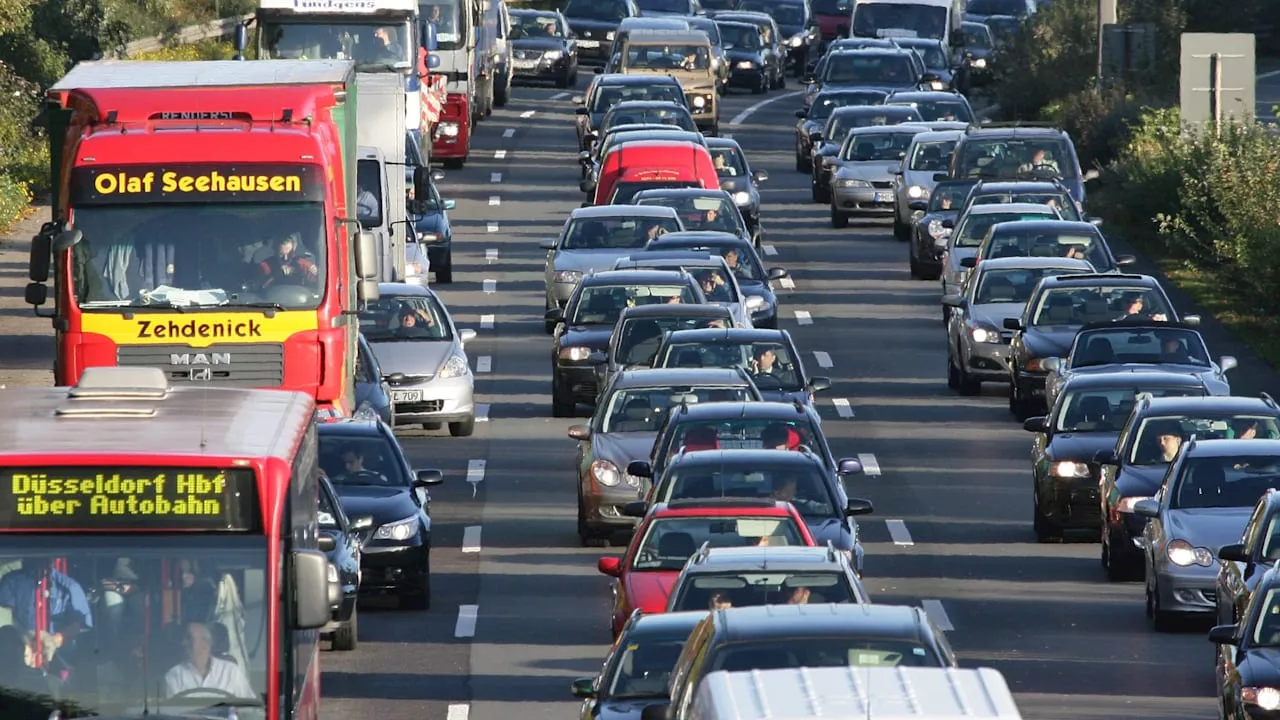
(1267,93)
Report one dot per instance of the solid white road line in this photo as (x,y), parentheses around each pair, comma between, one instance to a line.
(509,133)
(897,531)
(1267,75)
(560,96)
(937,613)
(787,283)
(466,626)
(460,711)
(495,177)
(471,539)
(499,154)
(484,364)
(528,113)
(870,466)
(491,255)
(495,199)
(486,322)
(769,249)
(491,227)
(824,359)
(490,286)
(843,408)
(742,116)
(482,412)
(803,317)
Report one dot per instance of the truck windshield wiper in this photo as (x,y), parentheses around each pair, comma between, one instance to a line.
(263,304)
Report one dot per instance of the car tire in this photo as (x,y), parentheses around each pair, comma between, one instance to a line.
(820,195)
(463,428)
(1117,567)
(953,375)
(345,637)
(967,385)
(839,219)
(502,92)
(561,405)
(1161,620)
(802,163)
(454,163)
(913,265)
(901,231)
(762,87)
(444,271)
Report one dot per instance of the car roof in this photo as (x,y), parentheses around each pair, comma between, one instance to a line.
(1234,446)
(938,135)
(634,276)
(1211,403)
(646,104)
(656,143)
(674,259)
(707,236)
(1129,325)
(849,91)
(1035,263)
(1010,133)
(752,14)
(1043,225)
(749,410)
(636,79)
(909,41)
(727,335)
(1000,208)
(1150,379)
(996,187)
(531,11)
(642,36)
(764,558)
(890,128)
(1137,281)
(710,507)
(681,377)
(685,192)
(720,241)
(723,142)
(827,620)
(677,310)
(349,426)
(871,110)
(405,289)
(895,50)
(623,211)
(924,95)
(743,457)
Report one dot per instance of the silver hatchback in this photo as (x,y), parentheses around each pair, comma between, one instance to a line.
(864,179)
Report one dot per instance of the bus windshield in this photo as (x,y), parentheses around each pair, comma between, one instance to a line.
(371,44)
(158,257)
(899,20)
(133,622)
(448,18)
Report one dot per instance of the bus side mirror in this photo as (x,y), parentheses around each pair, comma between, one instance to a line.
(310,581)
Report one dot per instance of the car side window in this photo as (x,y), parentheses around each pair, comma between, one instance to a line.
(680,672)
(1254,528)
(1126,434)
(330,506)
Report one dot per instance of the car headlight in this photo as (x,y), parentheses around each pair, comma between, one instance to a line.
(915,192)
(1267,698)
(608,35)
(745,65)
(699,102)
(333,573)
(455,366)
(1184,554)
(853,184)
(1126,504)
(606,473)
(568,276)
(575,354)
(936,231)
(552,54)
(1034,365)
(742,197)
(984,334)
(1069,469)
(796,40)
(978,63)
(399,530)
(937,85)
(448,129)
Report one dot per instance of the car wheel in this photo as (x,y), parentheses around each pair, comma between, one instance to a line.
(344,638)
(419,597)
(915,266)
(444,272)
(1046,530)
(562,406)
(454,163)
(901,231)
(463,428)
(1118,567)
(953,374)
(502,93)
(821,195)
(838,219)
(1161,620)
(967,386)
(762,87)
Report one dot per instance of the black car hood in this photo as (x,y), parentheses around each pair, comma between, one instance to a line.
(1049,340)
(625,708)
(1080,447)
(737,54)
(595,337)
(385,504)
(580,26)
(831,530)
(538,44)
(1140,480)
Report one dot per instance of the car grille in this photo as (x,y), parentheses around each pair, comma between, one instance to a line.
(426,406)
(408,380)
(253,366)
(1079,504)
(1210,595)
(881,184)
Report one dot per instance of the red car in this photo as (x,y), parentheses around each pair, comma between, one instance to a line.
(671,533)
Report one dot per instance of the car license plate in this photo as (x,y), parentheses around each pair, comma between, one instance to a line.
(884,197)
(525,64)
(406,395)
(588,43)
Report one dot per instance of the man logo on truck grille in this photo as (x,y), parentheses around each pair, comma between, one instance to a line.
(218,358)
(199,329)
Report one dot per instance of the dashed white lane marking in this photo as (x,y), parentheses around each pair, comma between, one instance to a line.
(509,133)
(769,249)
(460,711)
(560,96)
(466,626)
(803,317)
(843,408)
(499,154)
(490,286)
(475,471)
(897,531)
(824,359)
(527,114)
(491,227)
(495,199)
(482,412)
(870,465)
(484,364)
(486,322)
(471,539)
(787,283)
(752,110)
(495,177)
(1267,75)
(491,255)
(937,613)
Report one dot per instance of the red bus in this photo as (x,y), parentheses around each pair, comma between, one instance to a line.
(158,550)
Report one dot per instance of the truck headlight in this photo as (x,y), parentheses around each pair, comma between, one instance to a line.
(699,102)
(742,198)
(449,129)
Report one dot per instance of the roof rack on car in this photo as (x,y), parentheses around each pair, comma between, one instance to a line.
(703,552)
(831,551)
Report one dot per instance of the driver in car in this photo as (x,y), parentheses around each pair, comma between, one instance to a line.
(1039,160)
(286,266)
(203,675)
(353,465)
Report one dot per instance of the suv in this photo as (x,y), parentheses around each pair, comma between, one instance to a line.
(655,51)
(994,152)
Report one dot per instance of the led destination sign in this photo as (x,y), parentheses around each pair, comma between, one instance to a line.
(128,499)
(195,183)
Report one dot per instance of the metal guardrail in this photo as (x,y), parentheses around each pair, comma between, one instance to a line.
(190,34)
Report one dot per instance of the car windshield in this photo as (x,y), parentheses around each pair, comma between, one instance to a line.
(534,25)
(770,364)
(877,146)
(669,542)
(609,95)
(746,433)
(869,69)
(602,10)
(997,7)
(729,162)
(643,667)
(1007,158)
(826,103)
(939,110)
(642,409)
(670,115)
(744,263)
(1014,241)
(932,54)
(1003,28)
(973,228)
(372,44)
(950,195)
(365,459)
(1013,285)
(1084,304)
(739,36)
(1236,481)
(708,591)
(1107,409)
(668,57)
(840,124)
(894,20)
(805,488)
(712,280)
(141,606)
(933,156)
(715,213)
(229,254)
(977,36)
(679,7)
(1148,346)
(786,14)
(404,317)
(1056,200)
(1157,438)
(625,192)
(624,232)
(602,304)
(640,338)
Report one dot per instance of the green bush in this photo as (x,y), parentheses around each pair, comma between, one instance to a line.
(205,50)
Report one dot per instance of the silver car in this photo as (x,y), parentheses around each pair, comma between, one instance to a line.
(423,358)
(928,155)
(1205,502)
(968,231)
(977,343)
(1137,346)
(719,282)
(593,238)
(863,180)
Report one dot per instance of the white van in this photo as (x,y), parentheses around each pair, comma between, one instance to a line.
(932,19)
(855,693)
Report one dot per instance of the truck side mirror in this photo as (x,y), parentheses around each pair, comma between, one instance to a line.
(41,256)
(36,293)
(366,255)
(241,40)
(422,182)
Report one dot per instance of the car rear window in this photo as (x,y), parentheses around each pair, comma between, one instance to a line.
(706,591)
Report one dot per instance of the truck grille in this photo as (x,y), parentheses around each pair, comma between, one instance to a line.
(251,366)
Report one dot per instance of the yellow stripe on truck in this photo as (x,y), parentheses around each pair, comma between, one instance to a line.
(199,329)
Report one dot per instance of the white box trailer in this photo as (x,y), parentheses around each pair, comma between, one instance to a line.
(380,123)
(855,693)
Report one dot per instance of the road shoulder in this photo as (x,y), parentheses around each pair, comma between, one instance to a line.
(26,354)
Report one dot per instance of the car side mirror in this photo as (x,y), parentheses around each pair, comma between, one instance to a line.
(639,468)
(1096,221)
(858,506)
(1106,457)
(1012,324)
(819,383)
(422,182)
(634,509)
(611,566)
(953,301)
(360,524)
(427,478)
(1227,362)
(1147,507)
(1125,260)
(849,466)
(1224,634)
(808,79)
(778,273)
(548,244)
(584,157)
(760,176)
(584,688)
(802,114)
(326,542)
(1233,553)
(949,224)
(1051,364)
(1038,424)
(579,432)
(587,186)
(969,262)
(941,177)
(581,111)
(918,205)
(1089,176)
(554,315)
(466,335)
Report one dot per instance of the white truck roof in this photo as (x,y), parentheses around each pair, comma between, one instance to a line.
(856,693)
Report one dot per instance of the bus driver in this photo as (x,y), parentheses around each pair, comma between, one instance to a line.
(202,671)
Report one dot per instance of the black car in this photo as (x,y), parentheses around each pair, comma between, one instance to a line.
(813,119)
(738,179)
(773,57)
(1059,307)
(1246,563)
(1086,419)
(1247,664)
(929,231)
(373,394)
(542,47)
(637,668)
(979,51)
(827,143)
(1135,467)
(372,477)
(609,90)
(639,332)
(340,539)
(750,66)
(936,58)
(995,152)
(935,105)
(742,257)
(801,42)
(594,23)
(889,69)
(585,324)
(785,380)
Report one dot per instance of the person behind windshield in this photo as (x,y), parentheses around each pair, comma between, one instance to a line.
(384,47)
(733,260)
(353,466)
(1173,350)
(714,287)
(436,18)
(722,166)
(1040,160)
(414,322)
(780,437)
(202,671)
(1135,309)
(799,596)
(719,601)
(64,599)
(764,363)
(1170,442)
(1245,429)
(366,204)
(286,266)
(654,231)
